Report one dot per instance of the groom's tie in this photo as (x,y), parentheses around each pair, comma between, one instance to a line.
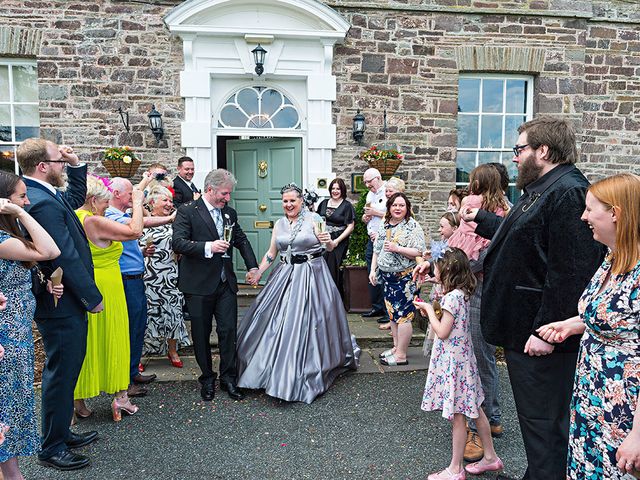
(217,218)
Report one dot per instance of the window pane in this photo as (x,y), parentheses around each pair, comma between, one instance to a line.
(4,83)
(467,131)
(512,168)
(7,162)
(271,101)
(285,118)
(488,157)
(233,117)
(491,131)
(248,100)
(25,83)
(516,96)
(511,124)
(5,123)
(492,95)
(27,121)
(466,161)
(469,95)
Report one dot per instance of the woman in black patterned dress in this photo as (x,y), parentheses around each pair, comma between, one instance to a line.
(166,331)
(340,216)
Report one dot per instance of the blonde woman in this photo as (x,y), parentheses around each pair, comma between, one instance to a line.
(166,331)
(106,364)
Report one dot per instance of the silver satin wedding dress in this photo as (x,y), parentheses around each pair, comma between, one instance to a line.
(294,340)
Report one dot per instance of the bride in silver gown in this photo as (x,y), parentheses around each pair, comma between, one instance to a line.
(294,340)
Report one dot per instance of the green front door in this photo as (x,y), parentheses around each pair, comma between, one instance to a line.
(261,167)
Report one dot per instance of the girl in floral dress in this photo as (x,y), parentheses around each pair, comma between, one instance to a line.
(604,435)
(453,383)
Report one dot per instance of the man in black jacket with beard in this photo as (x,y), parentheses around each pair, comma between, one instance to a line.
(540,260)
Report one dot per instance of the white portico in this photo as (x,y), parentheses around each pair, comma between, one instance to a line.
(218,36)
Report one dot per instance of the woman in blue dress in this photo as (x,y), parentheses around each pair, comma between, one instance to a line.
(604,437)
(17,256)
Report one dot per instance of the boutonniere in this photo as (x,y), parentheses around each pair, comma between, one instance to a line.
(226,215)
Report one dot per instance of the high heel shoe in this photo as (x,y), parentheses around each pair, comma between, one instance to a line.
(117,408)
(176,363)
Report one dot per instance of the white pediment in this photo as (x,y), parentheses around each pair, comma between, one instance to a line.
(284,18)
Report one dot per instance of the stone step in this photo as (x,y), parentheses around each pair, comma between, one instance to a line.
(366,331)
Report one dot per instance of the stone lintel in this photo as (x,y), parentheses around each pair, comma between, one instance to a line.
(500,59)
(19,41)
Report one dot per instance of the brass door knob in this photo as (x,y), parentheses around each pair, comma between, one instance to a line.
(262,208)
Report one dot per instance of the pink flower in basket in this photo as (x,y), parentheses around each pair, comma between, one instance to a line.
(374,153)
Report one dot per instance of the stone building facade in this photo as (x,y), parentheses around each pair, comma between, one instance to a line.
(580,59)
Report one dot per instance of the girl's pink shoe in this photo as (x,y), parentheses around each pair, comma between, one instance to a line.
(478,468)
(446,474)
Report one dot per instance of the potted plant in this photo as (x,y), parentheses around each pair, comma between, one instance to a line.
(355,273)
(121,161)
(385,160)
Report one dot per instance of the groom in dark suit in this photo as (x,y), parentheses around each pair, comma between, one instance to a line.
(207,280)
(63,328)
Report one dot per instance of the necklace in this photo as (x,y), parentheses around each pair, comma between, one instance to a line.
(294,232)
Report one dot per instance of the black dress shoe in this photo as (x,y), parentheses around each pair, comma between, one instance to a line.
(232,390)
(208,391)
(77,440)
(144,379)
(384,319)
(65,460)
(373,313)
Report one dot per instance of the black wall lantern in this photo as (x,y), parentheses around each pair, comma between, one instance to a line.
(258,58)
(155,123)
(359,126)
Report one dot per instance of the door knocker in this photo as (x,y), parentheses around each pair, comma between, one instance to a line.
(262,169)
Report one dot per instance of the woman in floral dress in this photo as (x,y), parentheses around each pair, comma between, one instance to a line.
(18,421)
(166,331)
(400,240)
(604,437)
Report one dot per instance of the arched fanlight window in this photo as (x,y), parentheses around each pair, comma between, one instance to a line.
(259,107)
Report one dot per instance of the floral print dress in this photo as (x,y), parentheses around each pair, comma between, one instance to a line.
(453,383)
(17,397)
(607,379)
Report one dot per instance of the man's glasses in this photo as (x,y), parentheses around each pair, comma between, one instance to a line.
(517,149)
(59,160)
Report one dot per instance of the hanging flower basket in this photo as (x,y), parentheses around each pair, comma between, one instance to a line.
(385,161)
(121,162)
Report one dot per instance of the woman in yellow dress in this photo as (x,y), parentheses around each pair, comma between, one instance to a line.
(106,363)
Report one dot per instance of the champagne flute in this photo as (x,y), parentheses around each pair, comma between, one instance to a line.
(227,233)
(321,226)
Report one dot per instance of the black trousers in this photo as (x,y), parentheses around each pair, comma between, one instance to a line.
(65,343)
(542,389)
(223,304)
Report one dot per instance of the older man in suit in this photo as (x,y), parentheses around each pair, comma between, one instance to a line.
(63,327)
(540,260)
(207,280)
(183,186)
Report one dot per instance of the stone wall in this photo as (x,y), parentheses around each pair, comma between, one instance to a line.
(402,55)
(95,57)
(406,56)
